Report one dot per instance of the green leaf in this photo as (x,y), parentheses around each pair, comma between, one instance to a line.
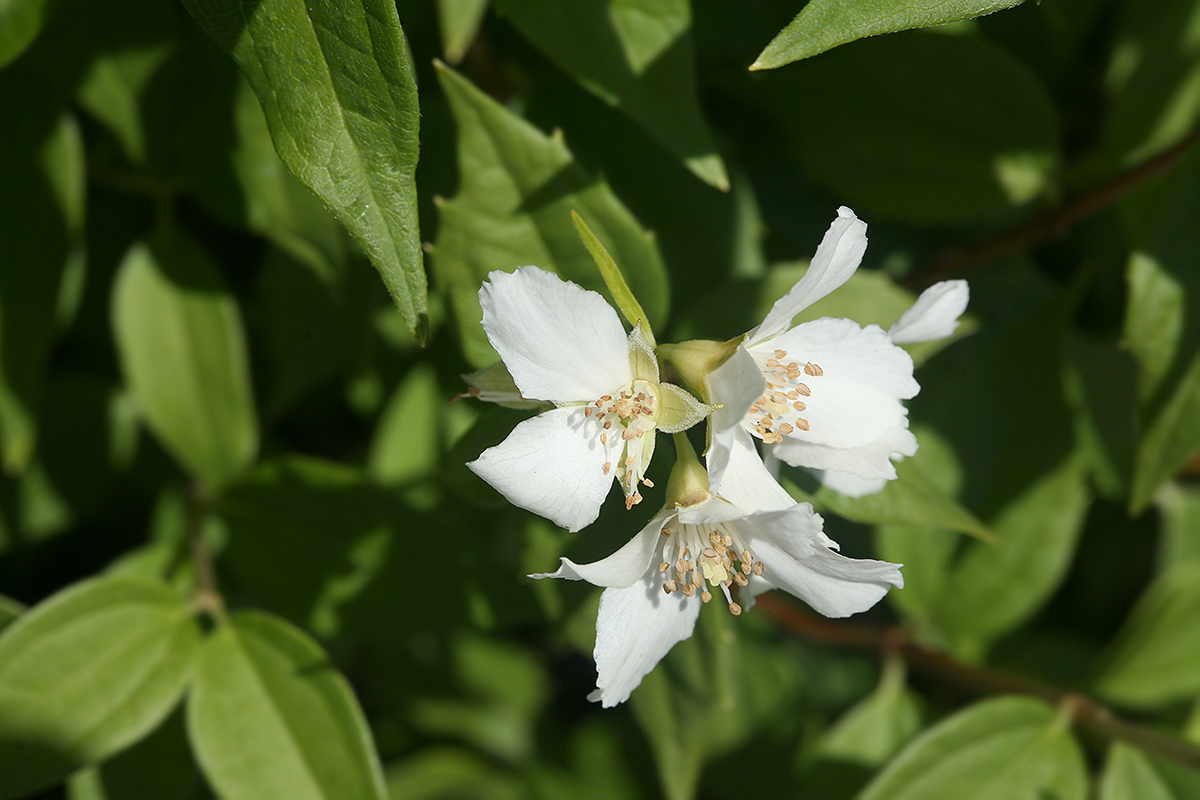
(87,673)
(1154,320)
(20,23)
(10,610)
(637,56)
(995,587)
(824,24)
(41,218)
(875,728)
(918,127)
(1129,775)
(1171,440)
(1156,653)
(113,89)
(613,279)
(408,442)
(459,22)
(270,718)
(1180,508)
(517,190)
(337,86)
(440,772)
(159,767)
(1009,748)
(183,352)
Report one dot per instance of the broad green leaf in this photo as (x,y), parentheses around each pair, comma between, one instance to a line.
(10,610)
(875,728)
(270,718)
(1008,748)
(995,587)
(516,193)
(918,127)
(41,218)
(458,21)
(337,86)
(183,352)
(277,204)
(1171,440)
(87,673)
(1156,653)
(824,24)
(1129,775)
(20,22)
(636,55)
(159,767)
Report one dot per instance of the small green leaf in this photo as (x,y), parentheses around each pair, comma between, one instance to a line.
(875,728)
(1009,748)
(637,56)
(10,610)
(408,442)
(516,193)
(1154,320)
(459,21)
(1172,438)
(1129,775)
(824,24)
(1159,647)
(270,718)
(20,23)
(87,673)
(113,89)
(184,355)
(336,83)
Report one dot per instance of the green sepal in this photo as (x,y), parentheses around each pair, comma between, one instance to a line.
(695,359)
(613,278)
(679,410)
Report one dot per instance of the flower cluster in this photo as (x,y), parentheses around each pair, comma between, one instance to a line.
(827,395)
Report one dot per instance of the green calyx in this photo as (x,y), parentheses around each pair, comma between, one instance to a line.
(695,359)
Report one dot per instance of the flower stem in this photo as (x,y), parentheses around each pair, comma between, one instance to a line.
(206,597)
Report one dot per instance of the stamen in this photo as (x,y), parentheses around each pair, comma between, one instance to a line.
(802,389)
(735,609)
(812,369)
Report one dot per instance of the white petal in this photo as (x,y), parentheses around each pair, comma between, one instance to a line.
(553,465)
(836,259)
(746,482)
(635,628)
(624,567)
(734,386)
(560,342)
(857,399)
(934,315)
(832,584)
(871,461)
(849,484)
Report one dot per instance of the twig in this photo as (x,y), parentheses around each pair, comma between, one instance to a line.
(206,597)
(1052,223)
(1087,714)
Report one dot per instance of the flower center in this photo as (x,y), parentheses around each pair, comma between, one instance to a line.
(625,419)
(776,413)
(693,554)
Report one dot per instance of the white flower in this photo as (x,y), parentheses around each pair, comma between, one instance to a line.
(827,394)
(656,583)
(565,345)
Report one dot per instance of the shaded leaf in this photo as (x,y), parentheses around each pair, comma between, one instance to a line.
(919,127)
(1008,748)
(20,23)
(113,91)
(439,772)
(9,611)
(637,56)
(336,83)
(458,21)
(513,207)
(159,767)
(1171,440)
(183,352)
(824,24)
(87,673)
(270,717)
(1157,651)
(879,725)
(1129,775)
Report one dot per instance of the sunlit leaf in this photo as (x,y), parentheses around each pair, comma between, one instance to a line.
(637,56)
(1007,748)
(824,24)
(183,351)
(513,208)
(87,673)
(336,83)
(270,718)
